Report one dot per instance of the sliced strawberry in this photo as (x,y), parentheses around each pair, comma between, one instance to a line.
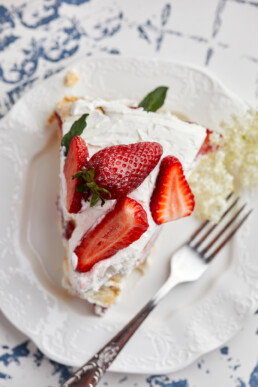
(207,146)
(68,229)
(172,197)
(76,158)
(119,228)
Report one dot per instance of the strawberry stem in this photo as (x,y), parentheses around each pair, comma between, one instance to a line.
(89,185)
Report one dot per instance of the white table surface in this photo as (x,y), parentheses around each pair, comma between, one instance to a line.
(38,38)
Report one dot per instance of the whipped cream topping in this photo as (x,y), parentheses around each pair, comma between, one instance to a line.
(122,125)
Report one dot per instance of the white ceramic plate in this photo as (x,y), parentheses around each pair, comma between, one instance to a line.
(193,319)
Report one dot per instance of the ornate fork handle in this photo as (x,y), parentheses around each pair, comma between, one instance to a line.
(91,373)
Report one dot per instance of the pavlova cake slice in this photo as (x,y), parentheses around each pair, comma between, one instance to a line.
(123,168)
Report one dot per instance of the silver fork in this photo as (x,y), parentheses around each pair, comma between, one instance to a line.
(198,255)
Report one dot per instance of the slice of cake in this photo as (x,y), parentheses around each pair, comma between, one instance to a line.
(122,175)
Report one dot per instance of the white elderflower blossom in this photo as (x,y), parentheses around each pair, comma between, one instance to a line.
(232,167)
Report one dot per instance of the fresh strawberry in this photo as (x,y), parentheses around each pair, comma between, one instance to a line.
(119,228)
(68,229)
(172,197)
(120,169)
(67,226)
(75,160)
(207,146)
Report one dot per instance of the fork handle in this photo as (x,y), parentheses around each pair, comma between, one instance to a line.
(90,373)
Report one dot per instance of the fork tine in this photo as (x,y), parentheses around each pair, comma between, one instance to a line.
(222,231)
(199,229)
(212,227)
(204,224)
(229,195)
(208,259)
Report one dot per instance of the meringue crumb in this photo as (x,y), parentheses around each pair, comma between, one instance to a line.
(67,99)
(232,167)
(100,108)
(64,106)
(52,117)
(71,79)
(142,267)
(105,296)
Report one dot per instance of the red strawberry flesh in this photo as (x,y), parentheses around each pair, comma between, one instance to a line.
(207,146)
(68,229)
(118,229)
(172,198)
(122,168)
(75,160)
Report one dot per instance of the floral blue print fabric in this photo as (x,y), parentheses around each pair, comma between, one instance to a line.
(39,38)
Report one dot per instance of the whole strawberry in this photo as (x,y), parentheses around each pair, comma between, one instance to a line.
(114,172)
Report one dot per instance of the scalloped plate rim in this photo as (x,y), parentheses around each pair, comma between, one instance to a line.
(154,60)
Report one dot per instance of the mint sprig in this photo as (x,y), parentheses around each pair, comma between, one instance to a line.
(76,130)
(154,100)
(89,185)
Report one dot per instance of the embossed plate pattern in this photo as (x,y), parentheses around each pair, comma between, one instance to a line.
(194,319)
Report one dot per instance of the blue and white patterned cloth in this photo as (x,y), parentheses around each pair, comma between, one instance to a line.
(38,38)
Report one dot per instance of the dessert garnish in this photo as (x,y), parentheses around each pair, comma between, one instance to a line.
(172,197)
(114,172)
(118,229)
(154,100)
(233,166)
(76,130)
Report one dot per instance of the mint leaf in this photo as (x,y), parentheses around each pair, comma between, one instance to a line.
(154,100)
(76,130)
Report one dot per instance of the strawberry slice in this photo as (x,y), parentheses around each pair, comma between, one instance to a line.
(68,229)
(118,229)
(172,198)
(76,158)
